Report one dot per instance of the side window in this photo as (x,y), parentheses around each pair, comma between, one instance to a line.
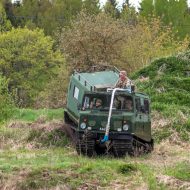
(138,104)
(146,105)
(76,93)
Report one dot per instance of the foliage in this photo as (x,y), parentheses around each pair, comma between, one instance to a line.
(5,24)
(91,7)
(93,40)
(168,84)
(49,15)
(28,60)
(126,42)
(6,104)
(110,8)
(174,13)
(148,40)
(129,15)
(54,94)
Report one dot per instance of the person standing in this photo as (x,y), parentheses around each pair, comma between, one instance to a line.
(123,80)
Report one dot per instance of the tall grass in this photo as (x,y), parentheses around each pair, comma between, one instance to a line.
(31,115)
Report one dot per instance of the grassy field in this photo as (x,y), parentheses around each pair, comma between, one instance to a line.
(36,154)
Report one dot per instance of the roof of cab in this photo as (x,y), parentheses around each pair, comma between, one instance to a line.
(98,79)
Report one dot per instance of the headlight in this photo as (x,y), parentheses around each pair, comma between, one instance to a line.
(125,127)
(83,125)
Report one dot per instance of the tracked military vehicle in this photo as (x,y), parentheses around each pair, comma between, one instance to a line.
(106,119)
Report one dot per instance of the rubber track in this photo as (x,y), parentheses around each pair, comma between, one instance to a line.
(131,147)
(122,147)
(85,147)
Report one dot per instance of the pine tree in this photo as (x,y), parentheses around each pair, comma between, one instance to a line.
(110,8)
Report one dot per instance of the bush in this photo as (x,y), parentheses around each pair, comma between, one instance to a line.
(29,61)
(6,104)
(54,94)
(169,88)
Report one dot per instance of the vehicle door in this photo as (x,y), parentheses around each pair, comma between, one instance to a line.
(138,126)
(145,109)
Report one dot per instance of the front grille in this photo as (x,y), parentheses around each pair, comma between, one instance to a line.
(116,125)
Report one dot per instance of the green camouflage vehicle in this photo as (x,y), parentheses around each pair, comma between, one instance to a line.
(106,119)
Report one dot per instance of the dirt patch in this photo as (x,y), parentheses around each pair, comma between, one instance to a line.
(173,183)
(159,122)
(166,155)
(42,124)
(38,134)
(163,130)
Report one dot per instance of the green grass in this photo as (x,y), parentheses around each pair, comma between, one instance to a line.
(51,167)
(45,159)
(47,162)
(60,167)
(30,115)
(180,171)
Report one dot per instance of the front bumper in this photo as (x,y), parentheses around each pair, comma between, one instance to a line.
(100,135)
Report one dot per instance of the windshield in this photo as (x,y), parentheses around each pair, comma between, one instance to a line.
(102,102)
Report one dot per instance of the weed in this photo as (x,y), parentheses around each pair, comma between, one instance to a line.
(162,134)
(127,168)
(180,171)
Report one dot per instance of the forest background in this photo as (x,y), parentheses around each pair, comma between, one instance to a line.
(42,42)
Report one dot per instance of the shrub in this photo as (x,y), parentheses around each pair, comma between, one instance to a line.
(6,103)
(29,61)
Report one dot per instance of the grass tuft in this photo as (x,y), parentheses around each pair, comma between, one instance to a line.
(180,171)
(127,168)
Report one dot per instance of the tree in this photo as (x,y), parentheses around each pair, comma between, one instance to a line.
(147,8)
(6,103)
(129,14)
(54,94)
(28,61)
(148,40)
(93,40)
(46,14)
(91,7)
(110,8)
(173,12)
(101,39)
(5,24)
